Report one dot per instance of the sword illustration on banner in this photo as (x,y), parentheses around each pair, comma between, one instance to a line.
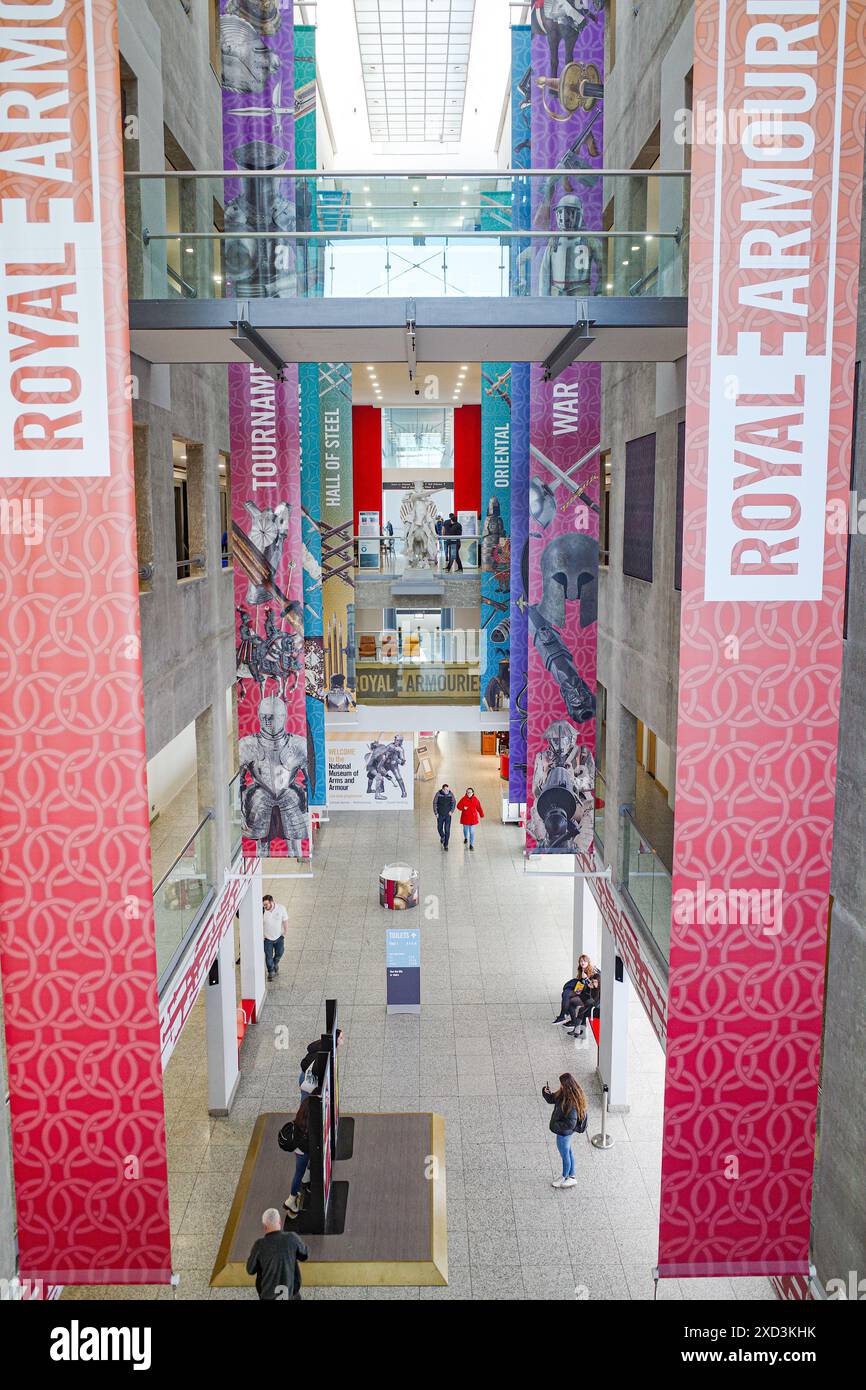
(335,379)
(499,388)
(275,110)
(542,497)
(260,572)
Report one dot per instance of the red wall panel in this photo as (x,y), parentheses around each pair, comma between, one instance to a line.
(467,459)
(367,459)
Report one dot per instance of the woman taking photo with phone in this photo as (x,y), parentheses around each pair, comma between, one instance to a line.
(569,1118)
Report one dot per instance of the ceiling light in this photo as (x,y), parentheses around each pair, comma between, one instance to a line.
(370,367)
(414,188)
(625,262)
(189,250)
(610,284)
(465,188)
(647,238)
(366,188)
(635,248)
(369,204)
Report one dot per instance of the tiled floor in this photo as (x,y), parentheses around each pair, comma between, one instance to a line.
(496,949)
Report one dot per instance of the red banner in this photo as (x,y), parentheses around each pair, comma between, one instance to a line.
(78,953)
(775,252)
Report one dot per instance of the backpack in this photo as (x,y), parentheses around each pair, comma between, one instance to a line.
(287,1138)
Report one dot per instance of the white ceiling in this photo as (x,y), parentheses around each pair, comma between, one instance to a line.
(415,62)
(451,384)
(341,84)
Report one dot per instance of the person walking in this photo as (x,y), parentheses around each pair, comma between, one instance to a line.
(274,1260)
(471,812)
(570,1113)
(275,920)
(453,532)
(302,1156)
(444,806)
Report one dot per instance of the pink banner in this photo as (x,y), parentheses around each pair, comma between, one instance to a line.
(78,947)
(269,599)
(775,252)
(258,77)
(567,122)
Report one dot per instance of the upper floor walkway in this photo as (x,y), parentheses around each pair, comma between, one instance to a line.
(329,267)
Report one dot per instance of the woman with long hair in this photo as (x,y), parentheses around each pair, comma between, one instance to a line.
(585,1001)
(569,1118)
(573,989)
(302,1157)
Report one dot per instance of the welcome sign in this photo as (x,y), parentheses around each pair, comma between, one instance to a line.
(775,254)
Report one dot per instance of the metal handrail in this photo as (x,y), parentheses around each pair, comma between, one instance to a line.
(390,234)
(140,174)
(209,815)
(625,814)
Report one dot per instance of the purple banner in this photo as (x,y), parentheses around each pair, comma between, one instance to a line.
(565,424)
(521,158)
(257,40)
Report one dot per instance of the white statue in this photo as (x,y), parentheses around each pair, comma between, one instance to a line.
(418,515)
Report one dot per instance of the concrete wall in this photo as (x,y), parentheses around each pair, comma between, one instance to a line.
(839,1205)
(187,626)
(639,621)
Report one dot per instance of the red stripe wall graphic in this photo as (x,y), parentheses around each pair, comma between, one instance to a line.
(78,955)
(775,252)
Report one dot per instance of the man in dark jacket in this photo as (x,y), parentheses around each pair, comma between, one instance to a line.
(274,1260)
(453,532)
(443,808)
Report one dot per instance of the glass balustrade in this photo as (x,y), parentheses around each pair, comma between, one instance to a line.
(183,895)
(600,802)
(188,235)
(385,553)
(646,884)
(236,824)
(426,664)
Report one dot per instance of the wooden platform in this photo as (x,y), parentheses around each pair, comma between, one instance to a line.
(396,1228)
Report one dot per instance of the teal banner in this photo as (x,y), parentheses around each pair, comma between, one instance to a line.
(495,534)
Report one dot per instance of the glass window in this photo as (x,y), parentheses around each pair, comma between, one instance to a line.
(418,437)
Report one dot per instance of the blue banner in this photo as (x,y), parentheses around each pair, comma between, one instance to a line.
(495,533)
(314,660)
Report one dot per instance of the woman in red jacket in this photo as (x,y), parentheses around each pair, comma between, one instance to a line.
(471,812)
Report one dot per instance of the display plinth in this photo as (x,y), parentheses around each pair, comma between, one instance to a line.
(398,887)
(394,1227)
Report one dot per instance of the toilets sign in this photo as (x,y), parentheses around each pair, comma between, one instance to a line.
(54,417)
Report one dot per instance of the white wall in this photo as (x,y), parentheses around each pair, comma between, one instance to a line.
(171,769)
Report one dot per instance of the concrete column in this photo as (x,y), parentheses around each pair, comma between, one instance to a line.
(221,1009)
(587,924)
(613,1042)
(252,943)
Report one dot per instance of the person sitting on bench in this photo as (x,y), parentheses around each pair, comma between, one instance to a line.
(584,973)
(584,1004)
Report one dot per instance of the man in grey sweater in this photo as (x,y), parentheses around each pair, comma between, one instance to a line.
(274,1260)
